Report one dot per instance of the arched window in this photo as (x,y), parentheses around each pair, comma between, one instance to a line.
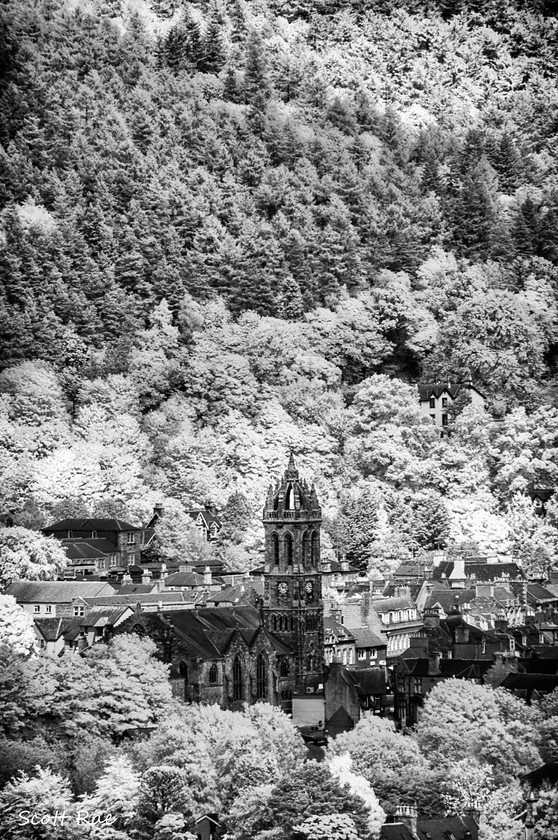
(280,622)
(275,549)
(183,671)
(213,675)
(274,623)
(291,623)
(306,549)
(237,679)
(288,549)
(289,498)
(284,668)
(261,677)
(315,548)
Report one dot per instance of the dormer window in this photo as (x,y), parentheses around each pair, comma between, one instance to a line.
(289,498)
(93,535)
(70,534)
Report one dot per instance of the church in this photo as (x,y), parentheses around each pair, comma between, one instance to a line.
(270,652)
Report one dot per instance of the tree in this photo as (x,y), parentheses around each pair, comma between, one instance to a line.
(44,794)
(29,555)
(17,628)
(116,793)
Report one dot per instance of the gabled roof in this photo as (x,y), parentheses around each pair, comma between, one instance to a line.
(52,628)
(436,389)
(206,515)
(83,550)
(366,681)
(338,630)
(366,638)
(91,525)
(57,591)
(145,598)
(136,588)
(241,593)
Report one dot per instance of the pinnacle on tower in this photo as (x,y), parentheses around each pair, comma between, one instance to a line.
(292,471)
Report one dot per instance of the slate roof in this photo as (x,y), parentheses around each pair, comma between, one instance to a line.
(58,592)
(366,638)
(367,681)
(91,525)
(384,605)
(458,668)
(207,632)
(145,598)
(136,588)
(241,593)
(444,827)
(83,550)
(338,630)
(436,389)
(547,773)
(530,682)
(52,628)
(184,579)
(482,572)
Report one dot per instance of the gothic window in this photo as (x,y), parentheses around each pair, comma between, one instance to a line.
(291,622)
(288,549)
(261,677)
(280,623)
(274,623)
(314,548)
(289,498)
(275,549)
(284,668)
(237,679)
(213,675)
(306,549)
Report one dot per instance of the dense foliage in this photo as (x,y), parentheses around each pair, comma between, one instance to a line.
(226,226)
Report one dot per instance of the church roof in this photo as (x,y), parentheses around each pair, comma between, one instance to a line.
(91,525)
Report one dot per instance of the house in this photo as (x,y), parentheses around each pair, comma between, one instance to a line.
(351,693)
(207,520)
(413,679)
(405,825)
(120,542)
(394,620)
(56,636)
(207,827)
(371,649)
(437,399)
(57,599)
(339,642)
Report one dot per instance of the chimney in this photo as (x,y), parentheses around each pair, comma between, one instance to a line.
(434,662)
(344,564)
(184,567)
(403,592)
(158,510)
(408,815)
(207,576)
(126,578)
(146,576)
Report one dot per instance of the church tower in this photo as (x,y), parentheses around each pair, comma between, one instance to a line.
(293,607)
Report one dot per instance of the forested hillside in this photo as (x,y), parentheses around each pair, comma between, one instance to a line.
(232,228)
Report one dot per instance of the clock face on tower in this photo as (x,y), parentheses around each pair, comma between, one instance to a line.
(309,587)
(282,588)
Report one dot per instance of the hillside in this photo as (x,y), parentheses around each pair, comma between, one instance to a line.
(232,228)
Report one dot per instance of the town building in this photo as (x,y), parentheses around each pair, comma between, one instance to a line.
(436,400)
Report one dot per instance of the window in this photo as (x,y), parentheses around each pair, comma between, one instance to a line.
(237,679)
(37,608)
(131,538)
(417,685)
(444,402)
(361,654)
(289,498)
(433,418)
(288,549)
(93,535)
(113,559)
(444,419)
(70,534)
(315,549)
(42,644)
(284,668)
(48,608)
(432,402)
(132,557)
(306,556)
(213,675)
(261,677)
(275,549)
(79,610)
